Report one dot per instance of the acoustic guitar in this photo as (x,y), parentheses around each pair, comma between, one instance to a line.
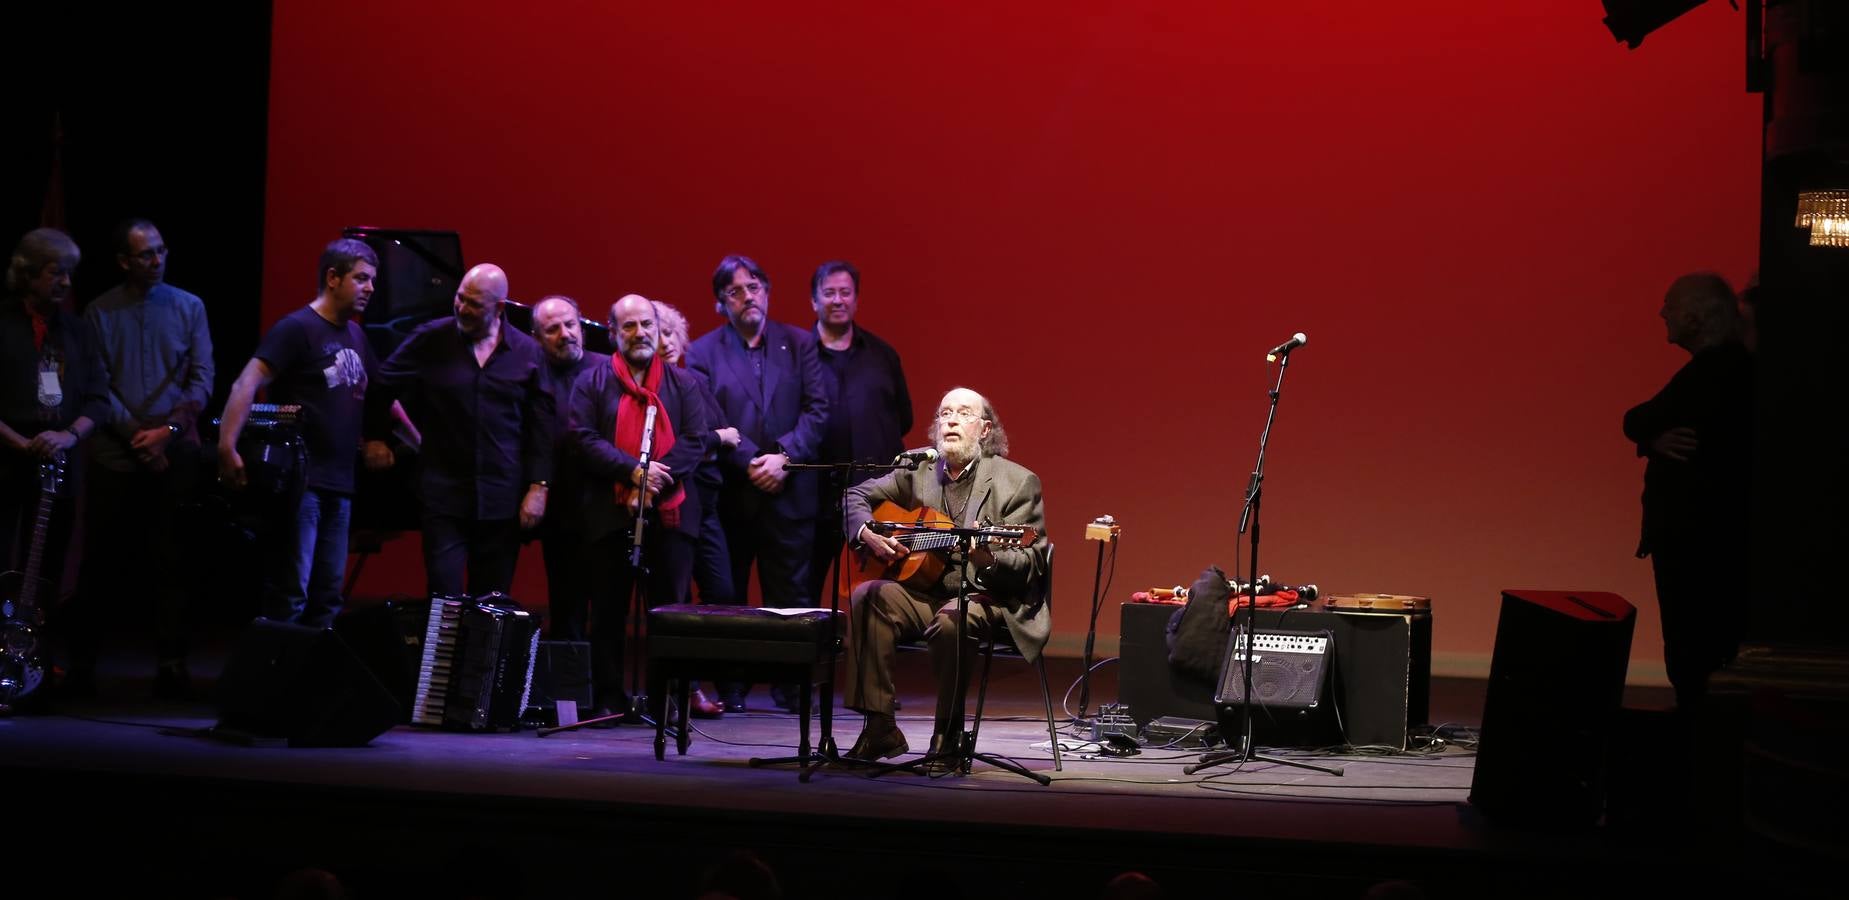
(929,552)
(22,661)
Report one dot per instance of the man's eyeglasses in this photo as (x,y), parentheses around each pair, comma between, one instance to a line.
(834,293)
(751,289)
(945,415)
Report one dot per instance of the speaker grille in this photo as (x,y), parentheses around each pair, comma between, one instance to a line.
(1288,669)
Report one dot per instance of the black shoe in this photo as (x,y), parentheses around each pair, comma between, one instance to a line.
(733,697)
(943,764)
(879,742)
(173,682)
(788,697)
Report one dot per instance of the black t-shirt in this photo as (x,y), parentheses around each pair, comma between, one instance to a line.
(322,367)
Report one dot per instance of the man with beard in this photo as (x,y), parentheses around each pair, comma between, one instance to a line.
(559,328)
(609,407)
(316,357)
(157,348)
(769,384)
(477,390)
(1696,434)
(974,484)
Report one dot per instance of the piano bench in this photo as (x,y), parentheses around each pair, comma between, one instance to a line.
(741,643)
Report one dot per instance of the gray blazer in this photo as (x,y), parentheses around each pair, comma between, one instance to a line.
(1005,493)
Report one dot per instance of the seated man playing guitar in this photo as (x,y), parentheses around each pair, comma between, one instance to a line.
(972,485)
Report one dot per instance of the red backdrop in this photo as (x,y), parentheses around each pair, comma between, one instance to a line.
(1101,218)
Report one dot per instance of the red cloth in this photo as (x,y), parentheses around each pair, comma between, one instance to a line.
(1277,600)
(631,412)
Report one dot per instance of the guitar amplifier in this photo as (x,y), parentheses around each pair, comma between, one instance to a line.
(1288,669)
(1380,664)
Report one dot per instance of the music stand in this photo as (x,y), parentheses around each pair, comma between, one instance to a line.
(638,597)
(960,751)
(1249,516)
(826,751)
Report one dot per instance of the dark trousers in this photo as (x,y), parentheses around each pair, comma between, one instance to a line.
(667,555)
(134,553)
(484,551)
(306,561)
(712,561)
(884,614)
(568,594)
(1697,592)
(826,552)
(758,529)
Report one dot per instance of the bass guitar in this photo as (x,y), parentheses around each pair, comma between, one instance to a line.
(22,661)
(929,549)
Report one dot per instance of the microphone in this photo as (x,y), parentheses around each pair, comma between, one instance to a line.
(917,457)
(1284,349)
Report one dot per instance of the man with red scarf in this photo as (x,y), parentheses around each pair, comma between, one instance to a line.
(609,405)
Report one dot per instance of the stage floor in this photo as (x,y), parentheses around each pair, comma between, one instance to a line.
(516,814)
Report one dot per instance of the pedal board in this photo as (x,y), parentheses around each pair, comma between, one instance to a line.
(1112,718)
(1178,732)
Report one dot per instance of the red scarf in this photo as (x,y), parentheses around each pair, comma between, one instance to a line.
(631,412)
(39,327)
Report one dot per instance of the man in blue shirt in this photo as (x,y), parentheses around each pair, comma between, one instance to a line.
(157,348)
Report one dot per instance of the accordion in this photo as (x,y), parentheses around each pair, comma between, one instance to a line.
(476,670)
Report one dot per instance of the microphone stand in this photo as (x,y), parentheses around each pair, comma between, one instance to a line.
(1104,530)
(638,587)
(959,749)
(1249,515)
(826,750)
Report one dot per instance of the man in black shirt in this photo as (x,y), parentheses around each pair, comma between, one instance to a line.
(1696,434)
(869,407)
(316,357)
(559,328)
(478,391)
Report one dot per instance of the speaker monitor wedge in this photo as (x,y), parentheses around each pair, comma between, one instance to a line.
(1556,681)
(301,685)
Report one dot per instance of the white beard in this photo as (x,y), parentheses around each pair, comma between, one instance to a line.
(960,456)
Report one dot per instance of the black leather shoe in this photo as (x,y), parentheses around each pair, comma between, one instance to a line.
(788,697)
(732,696)
(611,715)
(943,765)
(878,744)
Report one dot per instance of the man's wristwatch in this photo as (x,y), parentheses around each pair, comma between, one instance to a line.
(173,428)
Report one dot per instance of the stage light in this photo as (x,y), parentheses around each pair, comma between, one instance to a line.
(1826,214)
(1630,20)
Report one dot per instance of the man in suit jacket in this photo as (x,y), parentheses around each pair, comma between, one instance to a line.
(769,384)
(975,485)
(609,406)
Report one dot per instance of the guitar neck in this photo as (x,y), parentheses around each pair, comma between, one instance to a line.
(35,557)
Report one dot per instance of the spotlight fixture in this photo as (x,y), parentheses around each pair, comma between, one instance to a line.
(1630,20)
